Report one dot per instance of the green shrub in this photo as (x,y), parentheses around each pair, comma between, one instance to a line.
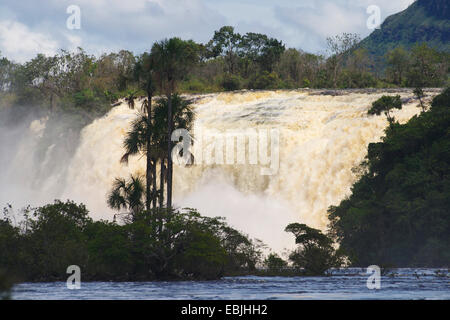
(204,257)
(266,80)
(274,263)
(306,83)
(110,250)
(356,79)
(231,82)
(56,239)
(315,254)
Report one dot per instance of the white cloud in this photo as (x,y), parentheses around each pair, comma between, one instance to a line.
(314,25)
(106,25)
(309,24)
(17,41)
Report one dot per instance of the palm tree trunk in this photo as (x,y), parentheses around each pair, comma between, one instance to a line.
(161,184)
(154,182)
(169,151)
(149,171)
(148,183)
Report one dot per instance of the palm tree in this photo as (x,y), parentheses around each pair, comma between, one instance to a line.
(144,74)
(143,138)
(127,195)
(183,113)
(130,99)
(137,139)
(172,58)
(183,116)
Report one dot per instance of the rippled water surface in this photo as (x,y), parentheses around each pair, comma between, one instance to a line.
(402,284)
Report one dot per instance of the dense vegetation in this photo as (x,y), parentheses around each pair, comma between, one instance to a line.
(167,244)
(315,254)
(72,83)
(398,213)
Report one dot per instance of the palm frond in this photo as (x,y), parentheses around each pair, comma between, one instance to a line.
(130,99)
(116,200)
(124,158)
(127,194)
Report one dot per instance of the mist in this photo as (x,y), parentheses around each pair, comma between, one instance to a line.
(35,150)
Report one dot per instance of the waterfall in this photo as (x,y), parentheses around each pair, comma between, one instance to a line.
(322,138)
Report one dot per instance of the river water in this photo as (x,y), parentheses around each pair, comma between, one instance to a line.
(348,284)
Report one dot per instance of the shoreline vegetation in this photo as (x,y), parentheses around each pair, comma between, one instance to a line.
(399,205)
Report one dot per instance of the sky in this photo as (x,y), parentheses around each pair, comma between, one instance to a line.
(28,27)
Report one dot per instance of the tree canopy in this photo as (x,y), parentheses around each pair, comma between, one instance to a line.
(398,212)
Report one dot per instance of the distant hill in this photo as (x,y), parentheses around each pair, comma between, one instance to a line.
(424,21)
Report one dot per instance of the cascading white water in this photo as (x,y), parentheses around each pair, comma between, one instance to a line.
(322,137)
